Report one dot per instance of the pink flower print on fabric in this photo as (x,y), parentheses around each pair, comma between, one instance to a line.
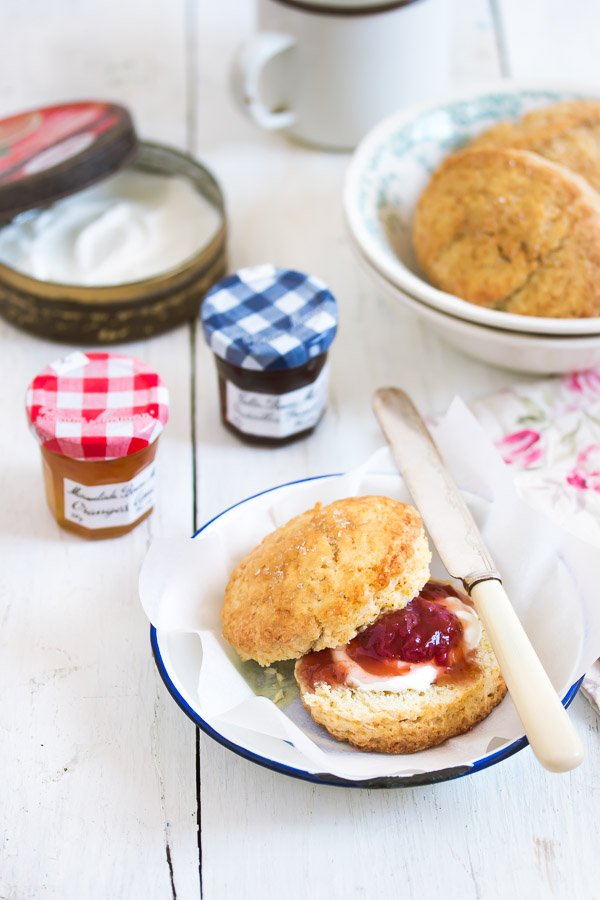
(521,448)
(584,382)
(585,475)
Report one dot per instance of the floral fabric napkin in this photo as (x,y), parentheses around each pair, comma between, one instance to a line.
(548,432)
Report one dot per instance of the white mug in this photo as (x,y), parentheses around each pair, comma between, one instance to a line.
(326,72)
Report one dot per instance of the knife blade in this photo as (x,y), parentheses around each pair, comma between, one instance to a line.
(450,524)
(460,546)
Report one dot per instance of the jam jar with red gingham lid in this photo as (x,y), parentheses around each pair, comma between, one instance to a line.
(270,330)
(97,417)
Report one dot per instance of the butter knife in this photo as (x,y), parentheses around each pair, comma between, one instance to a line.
(460,546)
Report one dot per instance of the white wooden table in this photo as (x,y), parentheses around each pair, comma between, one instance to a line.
(108,790)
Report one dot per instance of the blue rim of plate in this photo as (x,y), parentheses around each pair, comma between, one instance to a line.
(324,778)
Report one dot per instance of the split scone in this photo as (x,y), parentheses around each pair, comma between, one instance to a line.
(387,659)
(566,133)
(408,682)
(510,230)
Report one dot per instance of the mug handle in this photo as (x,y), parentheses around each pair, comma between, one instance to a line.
(251,59)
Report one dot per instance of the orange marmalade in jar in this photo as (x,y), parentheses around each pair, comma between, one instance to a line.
(97,417)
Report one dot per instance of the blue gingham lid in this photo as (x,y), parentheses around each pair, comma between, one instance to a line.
(265,317)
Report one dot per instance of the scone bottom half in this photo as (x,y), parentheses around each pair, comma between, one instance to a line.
(316,581)
(360,706)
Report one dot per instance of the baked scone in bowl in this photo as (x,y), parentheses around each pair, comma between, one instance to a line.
(394,165)
(509,230)
(566,133)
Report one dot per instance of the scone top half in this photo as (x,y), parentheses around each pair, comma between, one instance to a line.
(329,572)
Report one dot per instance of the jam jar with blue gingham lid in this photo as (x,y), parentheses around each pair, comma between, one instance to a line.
(270,330)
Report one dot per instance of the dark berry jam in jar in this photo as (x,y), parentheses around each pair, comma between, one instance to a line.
(270,330)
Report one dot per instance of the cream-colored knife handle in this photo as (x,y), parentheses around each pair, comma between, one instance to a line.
(549,730)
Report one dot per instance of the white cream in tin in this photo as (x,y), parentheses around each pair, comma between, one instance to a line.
(129,227)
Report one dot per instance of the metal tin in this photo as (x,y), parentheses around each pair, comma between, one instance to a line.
(136,310)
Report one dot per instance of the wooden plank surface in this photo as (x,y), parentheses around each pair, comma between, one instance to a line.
(99,795)
(98,764)
(123,50)
(99,786)
(470,838)
(511,830)
(549,40)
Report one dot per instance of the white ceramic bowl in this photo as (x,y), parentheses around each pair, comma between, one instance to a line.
(393,164)
(535,353)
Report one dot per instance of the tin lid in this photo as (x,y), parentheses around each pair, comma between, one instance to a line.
(269,318)
(97,406)
(54,151)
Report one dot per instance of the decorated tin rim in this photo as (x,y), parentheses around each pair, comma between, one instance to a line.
(155,159)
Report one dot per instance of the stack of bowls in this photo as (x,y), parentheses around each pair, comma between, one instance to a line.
(388,171)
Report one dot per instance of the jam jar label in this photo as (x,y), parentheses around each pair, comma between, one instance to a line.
(110,505)
(278,415)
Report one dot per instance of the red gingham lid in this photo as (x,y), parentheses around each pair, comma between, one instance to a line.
(97,406)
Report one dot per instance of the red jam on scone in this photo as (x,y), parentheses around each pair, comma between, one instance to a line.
(432,639)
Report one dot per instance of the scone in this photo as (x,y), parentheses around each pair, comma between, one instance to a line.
(510,230)
(566,133)
(408,682)
(387,659)
(317,580)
